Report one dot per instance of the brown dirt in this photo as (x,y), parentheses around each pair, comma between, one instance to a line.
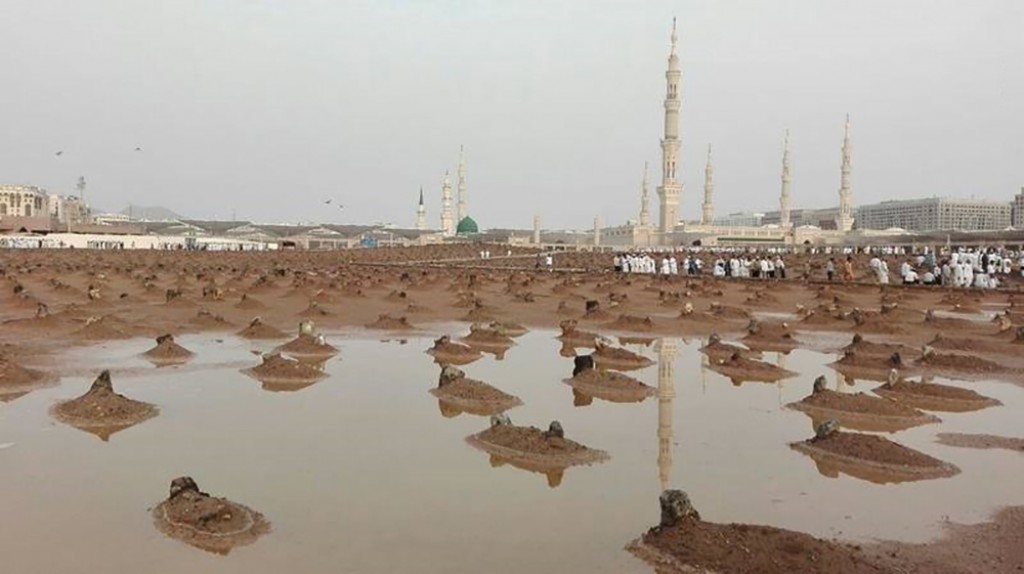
(616,358)
(213,524)
(861,411)
(610,386)
(102,411)
(167,349)
(631,323)
(873,458)
(278,369)
(984,441)
(960,363)
(740,369)
(697,547)
(474,397)
(447,351)
(935,397)
(534,443)
(487,337)
(101,329)
(388,323)
(257,329)
(307,346)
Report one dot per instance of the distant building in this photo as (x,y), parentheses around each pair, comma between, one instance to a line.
(935,214)
(22,201)
(824,218)
(1017,213)
(110,219)
(69,210)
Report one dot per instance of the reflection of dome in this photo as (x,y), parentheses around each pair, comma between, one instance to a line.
(466,225)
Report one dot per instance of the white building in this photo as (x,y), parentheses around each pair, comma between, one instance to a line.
(935,214)
(69,210)
(22,201)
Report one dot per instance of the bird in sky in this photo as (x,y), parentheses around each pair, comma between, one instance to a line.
(137,148)
(60,153)
(328,201)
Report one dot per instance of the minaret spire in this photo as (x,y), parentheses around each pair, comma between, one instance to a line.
(645,212)
(461,174)
(666,393)
(845,220)
(421,213)
(447,225)
(670,188)
(784,221)
(708,211)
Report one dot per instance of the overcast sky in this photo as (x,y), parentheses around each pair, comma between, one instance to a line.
(265,108)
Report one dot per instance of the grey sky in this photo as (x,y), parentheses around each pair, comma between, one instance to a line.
(268,107)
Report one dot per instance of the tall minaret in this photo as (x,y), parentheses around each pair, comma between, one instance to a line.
(536,229)
(708,211)
(461,174)
(666,392)
(784,197)
(645,212)
(597,232)
(845,221)
(670,189)
(421,213)
(447,225)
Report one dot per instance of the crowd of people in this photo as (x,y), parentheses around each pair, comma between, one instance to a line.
(963,268)
(764,266)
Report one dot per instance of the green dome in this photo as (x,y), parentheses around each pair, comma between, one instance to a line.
(466,226)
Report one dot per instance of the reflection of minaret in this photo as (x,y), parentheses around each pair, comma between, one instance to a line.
(421,213)
(708,212)
(670,188)
(784,198)
(666,392)
(462,185)
(447,225)
(645,212)
(536,230)
(597,231)
(845,221)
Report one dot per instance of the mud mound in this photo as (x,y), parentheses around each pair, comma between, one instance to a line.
(769,336)
(740,369)
(388,323)
(257,329)
(248,303)
(872,458)
(280,370)
(306,345)
(510,328)
(966,364)
(631,323)
(861,411)
(717,350)
(935,397)
(168,351)
(480,336)
(16,380)
(207,320)
(617,358)
(532,445)
(101,411)
(577,337)
(984,441)
(729,313)
(100,329)
(692,546)
(446,351)
(864,347)
(971,345)
(610,386)
(461,394)
(213,524)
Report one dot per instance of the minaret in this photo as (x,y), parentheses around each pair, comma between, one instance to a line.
(645,212)
(708,211)
(447,225)
(666,392)
(421,213)
(670,189)
(536,229)
(845,220)
(784,197)
(597,232)
(461,174)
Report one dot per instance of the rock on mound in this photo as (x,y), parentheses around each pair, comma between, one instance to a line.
(740,369)
(280,370)
(530,448)
(101,411)
(168,351)
(683,543)
(388,323)
(870,457)
(860,411)
(461,394)
(449,352)
(213,524)
(935,397)
(257,329)
(610,357)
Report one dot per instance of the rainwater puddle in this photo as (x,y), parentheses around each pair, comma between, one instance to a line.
(361,472)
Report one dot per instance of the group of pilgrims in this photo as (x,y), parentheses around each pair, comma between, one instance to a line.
(763,267)
(980,269)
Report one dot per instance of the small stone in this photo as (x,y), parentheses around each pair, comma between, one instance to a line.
(675,506)
(582,363)
(449,374)
(500,419)
(183,484)
(826,428)
(820,384)
(555,430)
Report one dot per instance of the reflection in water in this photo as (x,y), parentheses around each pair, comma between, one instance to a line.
(666,392)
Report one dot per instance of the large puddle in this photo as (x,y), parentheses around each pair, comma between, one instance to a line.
(361,472)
